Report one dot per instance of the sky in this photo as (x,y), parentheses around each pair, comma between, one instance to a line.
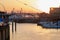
(27,6)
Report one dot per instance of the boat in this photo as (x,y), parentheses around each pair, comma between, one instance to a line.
(49,24)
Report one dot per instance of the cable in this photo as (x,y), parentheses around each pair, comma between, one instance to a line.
(3,7)
(27,5)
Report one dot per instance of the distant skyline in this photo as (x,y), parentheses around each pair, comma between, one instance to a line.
(27,5)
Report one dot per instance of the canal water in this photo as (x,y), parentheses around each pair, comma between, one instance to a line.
(30,31)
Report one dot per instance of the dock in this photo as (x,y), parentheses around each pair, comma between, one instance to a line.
(4,26)
(5,32)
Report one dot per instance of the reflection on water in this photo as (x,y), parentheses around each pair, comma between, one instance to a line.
(29,31)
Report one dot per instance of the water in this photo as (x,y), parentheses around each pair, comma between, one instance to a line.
(29,31)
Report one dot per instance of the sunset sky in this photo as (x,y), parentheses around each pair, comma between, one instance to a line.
(28,5)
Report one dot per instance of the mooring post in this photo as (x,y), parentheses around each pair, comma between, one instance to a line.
(15,26)
(1,34)
(12,27)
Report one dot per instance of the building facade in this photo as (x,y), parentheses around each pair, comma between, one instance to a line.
(54,10)
(55,13)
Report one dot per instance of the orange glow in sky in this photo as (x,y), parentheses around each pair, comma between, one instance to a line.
(42,5)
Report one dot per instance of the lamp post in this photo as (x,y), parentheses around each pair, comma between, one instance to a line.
(21,11)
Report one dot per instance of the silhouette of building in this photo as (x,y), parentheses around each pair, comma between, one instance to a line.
(1,12)
(55,13)
(54,10)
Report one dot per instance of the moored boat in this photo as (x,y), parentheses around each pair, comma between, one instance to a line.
(49,24)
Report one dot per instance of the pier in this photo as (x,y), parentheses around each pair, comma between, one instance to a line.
(5,32)
(4,26)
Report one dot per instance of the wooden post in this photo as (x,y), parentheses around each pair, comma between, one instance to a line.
(8,33)
(15,27)
(12,27)
(1,35)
